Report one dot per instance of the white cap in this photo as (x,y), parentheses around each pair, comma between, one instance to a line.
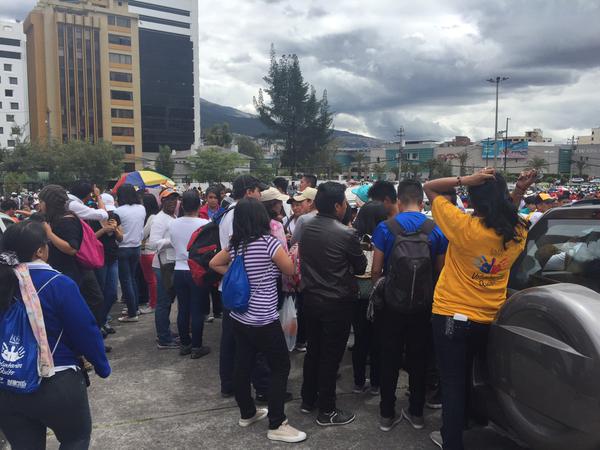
(109,202)
(273,194)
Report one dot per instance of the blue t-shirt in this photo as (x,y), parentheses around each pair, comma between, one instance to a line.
(383,238)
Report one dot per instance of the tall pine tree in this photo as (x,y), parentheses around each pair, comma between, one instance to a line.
(293,112)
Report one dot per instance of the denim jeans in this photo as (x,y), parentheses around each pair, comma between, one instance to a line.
(163,311)
(457,343)
(227,351)
(108,277)
(191,301)
(269,341)
(129,260)
(60,403)
(366,344)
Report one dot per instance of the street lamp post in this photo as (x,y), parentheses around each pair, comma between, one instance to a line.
(506,145)
(496,80)
(400,135)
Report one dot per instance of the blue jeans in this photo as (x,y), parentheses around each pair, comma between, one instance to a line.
(129,260)
(108,277)
(191,301)
(162,312)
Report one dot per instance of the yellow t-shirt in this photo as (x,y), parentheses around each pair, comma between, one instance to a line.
(475,275)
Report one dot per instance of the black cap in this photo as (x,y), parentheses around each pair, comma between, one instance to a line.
(245,182)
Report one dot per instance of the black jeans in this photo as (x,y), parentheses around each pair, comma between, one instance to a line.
(327,330)
(403,333)
(366,344)
(93,295)
(268,340)
(260,374)
(60,403)
(456,344)
(191,301)
(301,336)
(217,304)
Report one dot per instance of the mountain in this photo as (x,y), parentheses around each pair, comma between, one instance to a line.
(250,125)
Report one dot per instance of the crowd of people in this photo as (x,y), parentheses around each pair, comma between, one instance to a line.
(419,294)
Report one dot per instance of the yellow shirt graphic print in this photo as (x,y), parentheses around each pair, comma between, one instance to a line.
(475,275)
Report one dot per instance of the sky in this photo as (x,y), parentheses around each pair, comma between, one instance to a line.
(421,65)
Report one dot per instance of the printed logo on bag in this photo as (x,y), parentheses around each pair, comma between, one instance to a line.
(14,351)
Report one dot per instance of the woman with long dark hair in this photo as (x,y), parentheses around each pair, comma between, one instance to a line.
(258,329)
(64,229)
(472,286)
(132,216)
(152,209)
(67,330)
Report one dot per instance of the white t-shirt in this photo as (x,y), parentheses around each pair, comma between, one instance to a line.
(159,241)
(180,232)
(226,227)
(132,222)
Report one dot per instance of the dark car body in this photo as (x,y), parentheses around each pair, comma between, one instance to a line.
(541,379)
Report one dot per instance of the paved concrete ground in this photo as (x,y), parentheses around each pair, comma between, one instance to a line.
(156,399)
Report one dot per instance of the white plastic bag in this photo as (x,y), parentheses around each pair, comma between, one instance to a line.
(289,322)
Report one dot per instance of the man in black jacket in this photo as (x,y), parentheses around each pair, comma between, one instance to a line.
(331,257)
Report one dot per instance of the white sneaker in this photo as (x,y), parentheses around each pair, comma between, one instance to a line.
(210,319)
(436,438)
(129,319)
(286,433)
(146,310)
(261,413)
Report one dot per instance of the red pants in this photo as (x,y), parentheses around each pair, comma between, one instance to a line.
(146,265)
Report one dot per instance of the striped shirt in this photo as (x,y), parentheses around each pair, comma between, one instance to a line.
(262,274)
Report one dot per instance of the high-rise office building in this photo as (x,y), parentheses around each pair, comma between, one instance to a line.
(169,73)
(14,120)
(83,74)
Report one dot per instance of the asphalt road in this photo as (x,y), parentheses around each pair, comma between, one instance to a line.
(156,399)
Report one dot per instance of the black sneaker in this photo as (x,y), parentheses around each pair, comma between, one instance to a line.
(306,408)
(109,329)
(199,352)
(336,417)
(227,394)
(185,350)
(107,349)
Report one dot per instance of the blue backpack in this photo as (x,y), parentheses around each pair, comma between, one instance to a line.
(236,286)
(19,351)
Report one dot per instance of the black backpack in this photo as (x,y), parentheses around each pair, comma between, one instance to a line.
(203,245)
(409,276)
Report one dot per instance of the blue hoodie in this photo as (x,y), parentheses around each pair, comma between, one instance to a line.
(65,310)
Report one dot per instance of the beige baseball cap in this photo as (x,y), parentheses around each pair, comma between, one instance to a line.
(273,194)
(307,194)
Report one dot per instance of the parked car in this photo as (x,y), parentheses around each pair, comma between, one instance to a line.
(540,379)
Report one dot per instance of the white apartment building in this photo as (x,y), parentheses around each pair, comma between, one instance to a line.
(14,109)
(593,138)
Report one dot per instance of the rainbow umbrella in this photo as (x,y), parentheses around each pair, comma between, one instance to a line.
(143,179)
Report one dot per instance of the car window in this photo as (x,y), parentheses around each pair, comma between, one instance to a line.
(567,252)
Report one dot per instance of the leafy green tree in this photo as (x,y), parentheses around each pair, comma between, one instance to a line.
(537,163)
(293,112)
(96,162)
(379,170)
(359,159)
(463,158)
(164,164)
(214,165)
(581,165)
(14,181)
(248,147)
(219,135)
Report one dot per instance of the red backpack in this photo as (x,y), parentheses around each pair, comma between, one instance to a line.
(204,244)
(91,252)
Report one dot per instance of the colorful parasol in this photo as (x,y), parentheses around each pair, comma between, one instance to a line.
(143,179)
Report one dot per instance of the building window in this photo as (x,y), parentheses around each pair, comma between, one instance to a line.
(13,42)
(119,21)
(173,23)
(122,131)
(118,58)
(10,55)
(127,149)
(168,9)
(121,95)
(14,105)
(1,130)
(118,113)
(121,76)
(129,167)
(10,117)
(119,40)
(12,80)
(8,67)
(8,92)
(10,143)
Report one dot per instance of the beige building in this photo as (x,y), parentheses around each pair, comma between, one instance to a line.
(593,138)
(84,75)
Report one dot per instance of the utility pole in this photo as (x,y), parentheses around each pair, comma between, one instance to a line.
(506,145)
(487,152)
(496,80)
(400,136)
